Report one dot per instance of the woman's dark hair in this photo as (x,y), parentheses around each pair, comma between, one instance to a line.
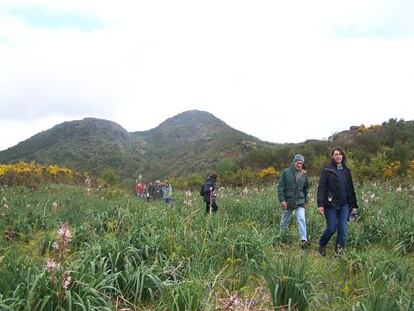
(342,151)
(214,176)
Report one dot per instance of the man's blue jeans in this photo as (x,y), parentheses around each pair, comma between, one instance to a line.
(300,218)
(336,220)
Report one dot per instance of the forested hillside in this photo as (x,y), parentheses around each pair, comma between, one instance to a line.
(194,143)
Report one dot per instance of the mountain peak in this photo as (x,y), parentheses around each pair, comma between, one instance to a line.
(194,120)
(191,141)
(191,126)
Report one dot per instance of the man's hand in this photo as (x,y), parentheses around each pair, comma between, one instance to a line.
(283,205)
(306,205)
(321,210)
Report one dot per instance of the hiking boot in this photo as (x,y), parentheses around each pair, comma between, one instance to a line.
(339,251)
(322,250)
(305,244)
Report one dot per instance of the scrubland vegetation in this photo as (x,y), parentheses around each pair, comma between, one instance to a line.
(74,246)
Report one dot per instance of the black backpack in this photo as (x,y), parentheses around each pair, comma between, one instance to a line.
(205,189)
(202,190)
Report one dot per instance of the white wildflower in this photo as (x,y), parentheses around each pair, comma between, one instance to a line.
(234,300)
(55,245)
(50,265)
(64,232)
(66,280)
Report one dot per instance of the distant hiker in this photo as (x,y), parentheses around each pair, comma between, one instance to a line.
(150,191)
(140,189)
(209,193)
(167,192)
(336,200)
(293,196)
(157,192)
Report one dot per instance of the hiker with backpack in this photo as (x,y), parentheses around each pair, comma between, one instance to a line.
(209,194)
(293,197)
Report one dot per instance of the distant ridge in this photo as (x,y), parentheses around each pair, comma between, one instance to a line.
(192,141)
(196,142)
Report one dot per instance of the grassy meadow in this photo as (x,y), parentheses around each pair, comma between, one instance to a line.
(65,248)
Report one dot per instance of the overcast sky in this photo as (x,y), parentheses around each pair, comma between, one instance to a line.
(283,71)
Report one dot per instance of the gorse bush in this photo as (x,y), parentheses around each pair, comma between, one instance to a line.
(33,174)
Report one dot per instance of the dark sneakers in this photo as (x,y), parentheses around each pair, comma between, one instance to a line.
(322,250)
(305,244)
(339,251)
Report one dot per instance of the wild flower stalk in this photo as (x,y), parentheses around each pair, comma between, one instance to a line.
(51,268)
(58,262)
(188,203)
(170,229)
(88,185)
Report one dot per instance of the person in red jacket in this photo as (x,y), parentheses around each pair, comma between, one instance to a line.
(140,189)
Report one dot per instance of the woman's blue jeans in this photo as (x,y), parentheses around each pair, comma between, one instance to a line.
(336,221)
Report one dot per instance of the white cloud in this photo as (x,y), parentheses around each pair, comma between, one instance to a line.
(281,71)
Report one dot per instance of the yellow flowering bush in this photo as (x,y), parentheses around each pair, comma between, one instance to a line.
(268,172)
(24,173)
(391,169)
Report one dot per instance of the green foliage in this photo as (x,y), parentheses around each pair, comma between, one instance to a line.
(110,177)
(192,182)
(187,295)
(226,166)
(126,253)
(288,284)
(377,302)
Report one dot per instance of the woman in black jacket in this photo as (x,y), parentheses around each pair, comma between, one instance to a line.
(336,200)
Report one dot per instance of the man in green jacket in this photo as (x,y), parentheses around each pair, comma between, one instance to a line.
(293,196)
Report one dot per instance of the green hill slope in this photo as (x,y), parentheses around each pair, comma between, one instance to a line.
(192,141)
(196,142)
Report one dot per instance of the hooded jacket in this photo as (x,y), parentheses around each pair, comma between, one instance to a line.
(329,192)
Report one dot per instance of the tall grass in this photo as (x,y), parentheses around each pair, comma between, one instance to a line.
(125,253)
(288,284)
